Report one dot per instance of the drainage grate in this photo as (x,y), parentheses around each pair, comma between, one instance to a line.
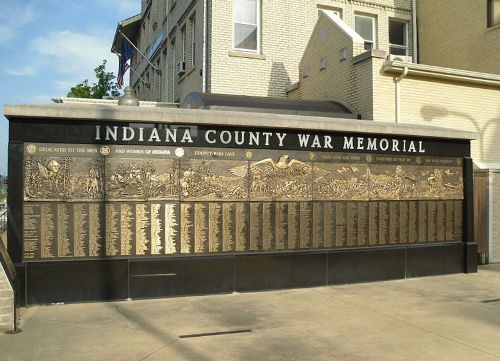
(215,333)
(494,300)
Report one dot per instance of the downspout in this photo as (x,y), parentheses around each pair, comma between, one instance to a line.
(398,93)
(204,69)
(415,31)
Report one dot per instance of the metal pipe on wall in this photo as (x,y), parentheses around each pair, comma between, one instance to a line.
(398,93)
(415,30)
(205,32)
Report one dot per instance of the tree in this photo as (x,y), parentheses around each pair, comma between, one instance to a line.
(105,85)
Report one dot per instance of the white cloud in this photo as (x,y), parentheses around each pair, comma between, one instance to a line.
(131,7)
(23,71)
(13,16)
(125,8)
(76,53)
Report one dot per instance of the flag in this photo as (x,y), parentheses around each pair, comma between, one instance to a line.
(125,58)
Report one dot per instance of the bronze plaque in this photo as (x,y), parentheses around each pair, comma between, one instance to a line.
(413,222)
(373,226)
(280,176)
(404,221)
(450,214)
(281,215)
(293,225)
(340,224)
(432,221)
(352,224)
(97,226)
(222,227)
(112,229)
(268,226)
(441,221)
(423,221)
(305,225)
(384,219)
(394,222)
(255,226)
(187,227)
(242,227)
(200,227)
(127,229)
(329,224)
(145,201)
(340,181)
(458,221)
(318,225)
(31,233)
(363,224)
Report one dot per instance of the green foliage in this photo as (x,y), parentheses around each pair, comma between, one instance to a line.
(105,85)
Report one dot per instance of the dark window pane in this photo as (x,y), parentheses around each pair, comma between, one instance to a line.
(397,33)
(397,51)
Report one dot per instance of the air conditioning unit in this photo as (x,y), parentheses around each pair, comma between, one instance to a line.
(181,67)
(402,58)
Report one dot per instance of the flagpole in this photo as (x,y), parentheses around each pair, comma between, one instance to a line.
(144,56)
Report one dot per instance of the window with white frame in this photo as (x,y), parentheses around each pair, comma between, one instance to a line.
(246,20)
(365,27)
(493,12)
(398,37)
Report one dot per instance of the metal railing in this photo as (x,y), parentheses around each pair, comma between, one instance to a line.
(3,221)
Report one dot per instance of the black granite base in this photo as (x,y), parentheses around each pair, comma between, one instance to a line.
(80,281)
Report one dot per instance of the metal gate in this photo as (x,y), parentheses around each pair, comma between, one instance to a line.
(481,215)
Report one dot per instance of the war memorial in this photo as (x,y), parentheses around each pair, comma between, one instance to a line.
(113,202)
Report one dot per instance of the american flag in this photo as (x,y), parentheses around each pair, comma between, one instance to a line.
(125,58)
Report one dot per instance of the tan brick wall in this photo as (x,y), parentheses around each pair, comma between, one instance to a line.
(455,35)
(285,30)
(445,104)
(335,81)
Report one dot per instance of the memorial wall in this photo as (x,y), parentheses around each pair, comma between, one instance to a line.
(110,203)
(88,201)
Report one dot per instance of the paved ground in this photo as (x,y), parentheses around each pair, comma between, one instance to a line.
(434,318)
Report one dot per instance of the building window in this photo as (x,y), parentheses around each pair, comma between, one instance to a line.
(493,12)
(365,27)
(193,39)
(246,25)
(398,37)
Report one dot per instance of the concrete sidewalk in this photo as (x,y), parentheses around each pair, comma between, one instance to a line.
(434,318)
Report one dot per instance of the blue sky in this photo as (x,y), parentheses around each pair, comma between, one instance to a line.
(47,46)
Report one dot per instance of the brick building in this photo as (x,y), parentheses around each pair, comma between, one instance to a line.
(368,55)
